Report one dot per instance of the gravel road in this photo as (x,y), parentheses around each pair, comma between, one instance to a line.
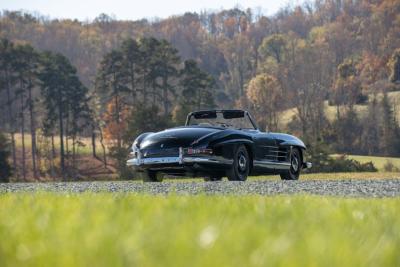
(352,188)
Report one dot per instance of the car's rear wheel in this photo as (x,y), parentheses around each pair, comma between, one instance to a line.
(151,176)
(295,166)
(213,179)
(241,164)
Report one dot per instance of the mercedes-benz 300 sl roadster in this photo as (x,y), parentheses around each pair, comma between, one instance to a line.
(214,144)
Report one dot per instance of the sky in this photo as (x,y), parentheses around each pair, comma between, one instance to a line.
(136,9)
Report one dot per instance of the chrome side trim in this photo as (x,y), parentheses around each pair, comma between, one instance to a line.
(207,160)
(272,164)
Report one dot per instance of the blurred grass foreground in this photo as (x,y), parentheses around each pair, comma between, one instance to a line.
(104,229)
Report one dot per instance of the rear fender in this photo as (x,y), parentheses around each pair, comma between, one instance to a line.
(140,138)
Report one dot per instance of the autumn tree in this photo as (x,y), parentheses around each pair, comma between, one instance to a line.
(265,94)
(274,46)
(347,88)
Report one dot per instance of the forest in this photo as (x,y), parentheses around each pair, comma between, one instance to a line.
(74,94)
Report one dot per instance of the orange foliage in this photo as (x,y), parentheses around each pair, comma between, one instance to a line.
(115,123)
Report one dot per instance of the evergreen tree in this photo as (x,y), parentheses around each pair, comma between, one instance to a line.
(390,132)
(7,57)
(168,62)
(370,135)
(132,60)
(111,85)
(394,65)
(25,68)
(150,69)
(197,91)
(53,80)
(64,97)
(5,168)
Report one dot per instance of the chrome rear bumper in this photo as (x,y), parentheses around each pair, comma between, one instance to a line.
(172,160)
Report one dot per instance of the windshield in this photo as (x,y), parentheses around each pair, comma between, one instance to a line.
(224,119)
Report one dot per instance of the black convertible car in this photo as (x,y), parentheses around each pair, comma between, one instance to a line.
(214,144)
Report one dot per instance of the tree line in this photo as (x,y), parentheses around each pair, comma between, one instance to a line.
(42,92)
(142,85)
(146,75)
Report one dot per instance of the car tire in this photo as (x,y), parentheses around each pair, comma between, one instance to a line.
(151,176)
(295,166)
(241,164)
(213,179)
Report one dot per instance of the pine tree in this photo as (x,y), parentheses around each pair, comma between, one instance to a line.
(64,97)
(6,60)
(390,132)
(132,60)
(5,168)
(168,62)
(197,87)
(370,134)
(394,65)
(25,68)
(111,86)
(53,84)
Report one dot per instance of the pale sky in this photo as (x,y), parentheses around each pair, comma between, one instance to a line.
(135,9)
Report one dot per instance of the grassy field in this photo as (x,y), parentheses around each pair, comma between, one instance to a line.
(46,229)
(84,149)
(330,111)
(379,162)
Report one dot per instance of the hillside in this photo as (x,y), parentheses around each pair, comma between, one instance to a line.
(115,79)
(330,111)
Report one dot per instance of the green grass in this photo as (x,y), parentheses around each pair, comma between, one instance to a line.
(104,229)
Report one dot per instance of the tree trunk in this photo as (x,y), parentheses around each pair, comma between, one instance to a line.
(154,93)
(103,147)
(165,95)
(53,155)
(73,151)
(23,135)
(33,131)
(61,132)
(133,85)
(93,143)
(117,117)
(11,122)
(66,140)
(144,90)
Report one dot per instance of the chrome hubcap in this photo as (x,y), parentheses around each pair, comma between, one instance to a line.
(295,164)
(242,162)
